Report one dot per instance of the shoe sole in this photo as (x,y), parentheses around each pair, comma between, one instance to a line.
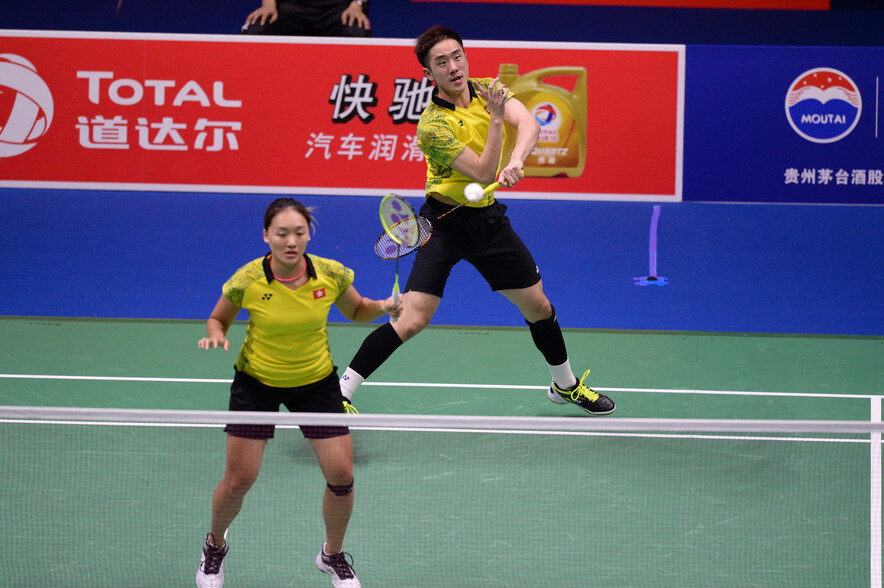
(557,398)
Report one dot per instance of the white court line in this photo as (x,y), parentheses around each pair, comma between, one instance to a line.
(873,398)
(642,390)
(116,379)
(449,385)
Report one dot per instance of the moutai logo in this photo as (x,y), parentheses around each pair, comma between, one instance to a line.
(823,105)
(25,105)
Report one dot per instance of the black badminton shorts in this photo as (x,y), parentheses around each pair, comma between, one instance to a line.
(249,394)
(481,236)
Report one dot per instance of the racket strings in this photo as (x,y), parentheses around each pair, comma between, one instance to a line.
(394,210)
(403,237)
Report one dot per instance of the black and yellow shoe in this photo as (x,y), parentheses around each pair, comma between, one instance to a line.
(583,396)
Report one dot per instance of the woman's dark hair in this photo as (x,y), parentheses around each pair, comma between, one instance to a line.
(281,204)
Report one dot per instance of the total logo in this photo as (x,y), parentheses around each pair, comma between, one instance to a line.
(823,105)
(547,115)
(26,105)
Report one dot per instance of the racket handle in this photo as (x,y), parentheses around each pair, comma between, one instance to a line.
(487,190)
(393,319)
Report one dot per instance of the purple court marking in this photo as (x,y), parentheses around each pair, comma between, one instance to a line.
(652,279)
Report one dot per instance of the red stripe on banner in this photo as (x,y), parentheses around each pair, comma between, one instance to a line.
(745,4)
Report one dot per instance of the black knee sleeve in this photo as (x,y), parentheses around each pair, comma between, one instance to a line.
(375,350)
(547,336)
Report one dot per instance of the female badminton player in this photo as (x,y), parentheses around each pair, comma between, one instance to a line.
(285,359)
(462,135)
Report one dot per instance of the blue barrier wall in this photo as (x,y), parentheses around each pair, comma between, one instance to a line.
(731,267)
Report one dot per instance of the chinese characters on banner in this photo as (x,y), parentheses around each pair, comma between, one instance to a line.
(841,177)
(352,98)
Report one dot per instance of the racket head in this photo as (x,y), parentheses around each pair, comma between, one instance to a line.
(393,210)
(403,237)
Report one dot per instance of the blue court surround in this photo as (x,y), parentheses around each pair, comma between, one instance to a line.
(731,267)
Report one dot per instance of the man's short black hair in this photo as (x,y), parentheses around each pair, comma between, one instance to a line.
(428,40)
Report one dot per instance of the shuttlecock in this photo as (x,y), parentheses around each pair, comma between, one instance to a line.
(473,192)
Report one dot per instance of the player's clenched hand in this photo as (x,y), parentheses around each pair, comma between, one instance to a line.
(394,309)
(511,174)
(214,343)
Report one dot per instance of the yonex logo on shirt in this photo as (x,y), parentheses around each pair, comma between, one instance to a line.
(266,296)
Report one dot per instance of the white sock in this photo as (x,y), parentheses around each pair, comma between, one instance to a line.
(349,382)
(562,375)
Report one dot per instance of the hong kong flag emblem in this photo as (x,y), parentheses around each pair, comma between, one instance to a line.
(320,293)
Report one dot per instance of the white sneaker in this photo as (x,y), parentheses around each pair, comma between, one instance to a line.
(210,574)
(336,566)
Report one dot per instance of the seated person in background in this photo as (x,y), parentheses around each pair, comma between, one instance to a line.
(319,18)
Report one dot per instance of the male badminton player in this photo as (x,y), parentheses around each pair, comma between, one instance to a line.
(463,137)
(285,359)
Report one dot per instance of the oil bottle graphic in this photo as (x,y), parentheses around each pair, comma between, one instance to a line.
(561,147)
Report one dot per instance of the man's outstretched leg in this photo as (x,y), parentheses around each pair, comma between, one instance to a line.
(417,310)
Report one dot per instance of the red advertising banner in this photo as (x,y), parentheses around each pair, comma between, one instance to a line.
(234,114)
(744,4)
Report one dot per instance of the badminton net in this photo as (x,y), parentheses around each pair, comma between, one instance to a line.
(122,497)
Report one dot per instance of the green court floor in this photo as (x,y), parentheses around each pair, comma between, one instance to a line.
(502,362)
(110,505)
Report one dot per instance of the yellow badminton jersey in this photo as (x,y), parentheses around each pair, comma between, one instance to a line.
(444,130)
(287,341)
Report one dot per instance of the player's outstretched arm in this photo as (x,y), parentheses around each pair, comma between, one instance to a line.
(360,309)
(527,132)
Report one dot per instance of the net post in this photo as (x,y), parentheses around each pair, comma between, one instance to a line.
(875,576)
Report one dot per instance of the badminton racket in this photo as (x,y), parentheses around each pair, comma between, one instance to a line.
(400,232)
(405,232)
